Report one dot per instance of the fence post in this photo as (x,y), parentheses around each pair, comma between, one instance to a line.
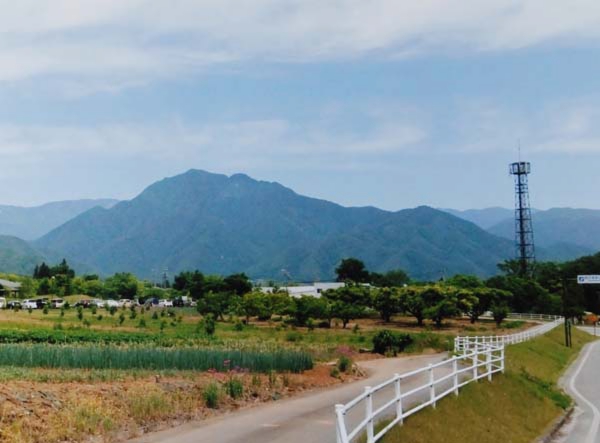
(488,365)
(369,412)
(399,412)
(455,372)
(340,428)
(475,362)
(431,386)
(502,359)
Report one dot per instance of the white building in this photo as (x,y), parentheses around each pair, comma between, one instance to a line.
(313,290)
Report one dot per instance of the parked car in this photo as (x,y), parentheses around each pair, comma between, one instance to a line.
(164,303)
(2,302)
(127,303)
(57,303)
(98,303)
(112,304)
(41,302)
(29,304)
(14,304)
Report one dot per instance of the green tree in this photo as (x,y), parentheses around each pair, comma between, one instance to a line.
(255,304)
(121,285)
(412,302)
(306,307)
(352,269)
(348,302)
(218,304)
(395,278)
(387,302)
(441,302)
(237,283)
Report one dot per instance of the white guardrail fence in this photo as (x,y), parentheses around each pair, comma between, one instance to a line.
(406,394)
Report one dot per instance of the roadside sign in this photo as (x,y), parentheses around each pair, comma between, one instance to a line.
(588,279)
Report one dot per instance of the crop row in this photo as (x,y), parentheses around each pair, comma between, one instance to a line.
(112,357)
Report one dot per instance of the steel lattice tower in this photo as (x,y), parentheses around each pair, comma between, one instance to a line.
(524,246)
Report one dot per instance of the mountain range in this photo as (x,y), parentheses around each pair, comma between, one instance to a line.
(30,223)
(222,224)
(559,233)
(225,224)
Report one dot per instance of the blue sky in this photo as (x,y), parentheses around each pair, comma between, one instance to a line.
(388,103)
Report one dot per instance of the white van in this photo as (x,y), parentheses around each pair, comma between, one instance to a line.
(2,302)
(29,304)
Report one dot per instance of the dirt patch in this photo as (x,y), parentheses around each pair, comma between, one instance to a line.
(52,412)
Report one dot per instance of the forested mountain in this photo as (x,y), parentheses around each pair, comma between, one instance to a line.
(30,223)
(17,256)
(221,224)
(574,232)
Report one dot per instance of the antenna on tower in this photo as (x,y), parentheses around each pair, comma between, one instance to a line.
(524,245)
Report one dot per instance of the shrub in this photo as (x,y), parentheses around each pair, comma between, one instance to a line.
(293,336)
(121,318)
(112,310)
(30,310)
(100,317)
(335,372)
(142,323)
(239,326)
(234,388)
(79,313)
(209,324)
(132,314)
(211,396)
(344,363)
(385,341)
(62,312)
(94,309)
(45,310)
(155,315)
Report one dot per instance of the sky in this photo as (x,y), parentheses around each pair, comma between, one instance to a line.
(389,103)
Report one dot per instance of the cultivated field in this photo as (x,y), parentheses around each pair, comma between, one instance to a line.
(73,374)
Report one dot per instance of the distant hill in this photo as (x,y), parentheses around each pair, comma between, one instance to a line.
(17,256)
(30,223)
(576,231)
(484,218)
(223,224)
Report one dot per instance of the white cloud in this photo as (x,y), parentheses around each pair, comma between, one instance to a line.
(242,145)
(107,44)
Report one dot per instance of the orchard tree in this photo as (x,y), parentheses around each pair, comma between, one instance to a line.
(348,302)
(386,301)
(412,303)
(441,302)
(306,307)
(254,304)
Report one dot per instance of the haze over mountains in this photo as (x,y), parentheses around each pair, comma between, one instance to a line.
(560,233)
(221,224)
(30,223)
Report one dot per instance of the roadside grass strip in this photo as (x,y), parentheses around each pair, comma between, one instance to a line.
(516,407)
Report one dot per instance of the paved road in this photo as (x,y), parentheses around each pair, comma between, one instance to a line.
(582,382)
(308,418)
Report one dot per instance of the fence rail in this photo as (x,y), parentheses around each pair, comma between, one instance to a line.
(405,394)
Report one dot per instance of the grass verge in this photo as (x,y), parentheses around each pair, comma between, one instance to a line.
(516,407)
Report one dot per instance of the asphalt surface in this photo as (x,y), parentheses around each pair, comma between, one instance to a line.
(308,418)
(582,382)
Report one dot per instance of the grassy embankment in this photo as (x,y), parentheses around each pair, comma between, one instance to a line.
(516,407)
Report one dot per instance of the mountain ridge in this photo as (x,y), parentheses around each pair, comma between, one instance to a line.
(229,224)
